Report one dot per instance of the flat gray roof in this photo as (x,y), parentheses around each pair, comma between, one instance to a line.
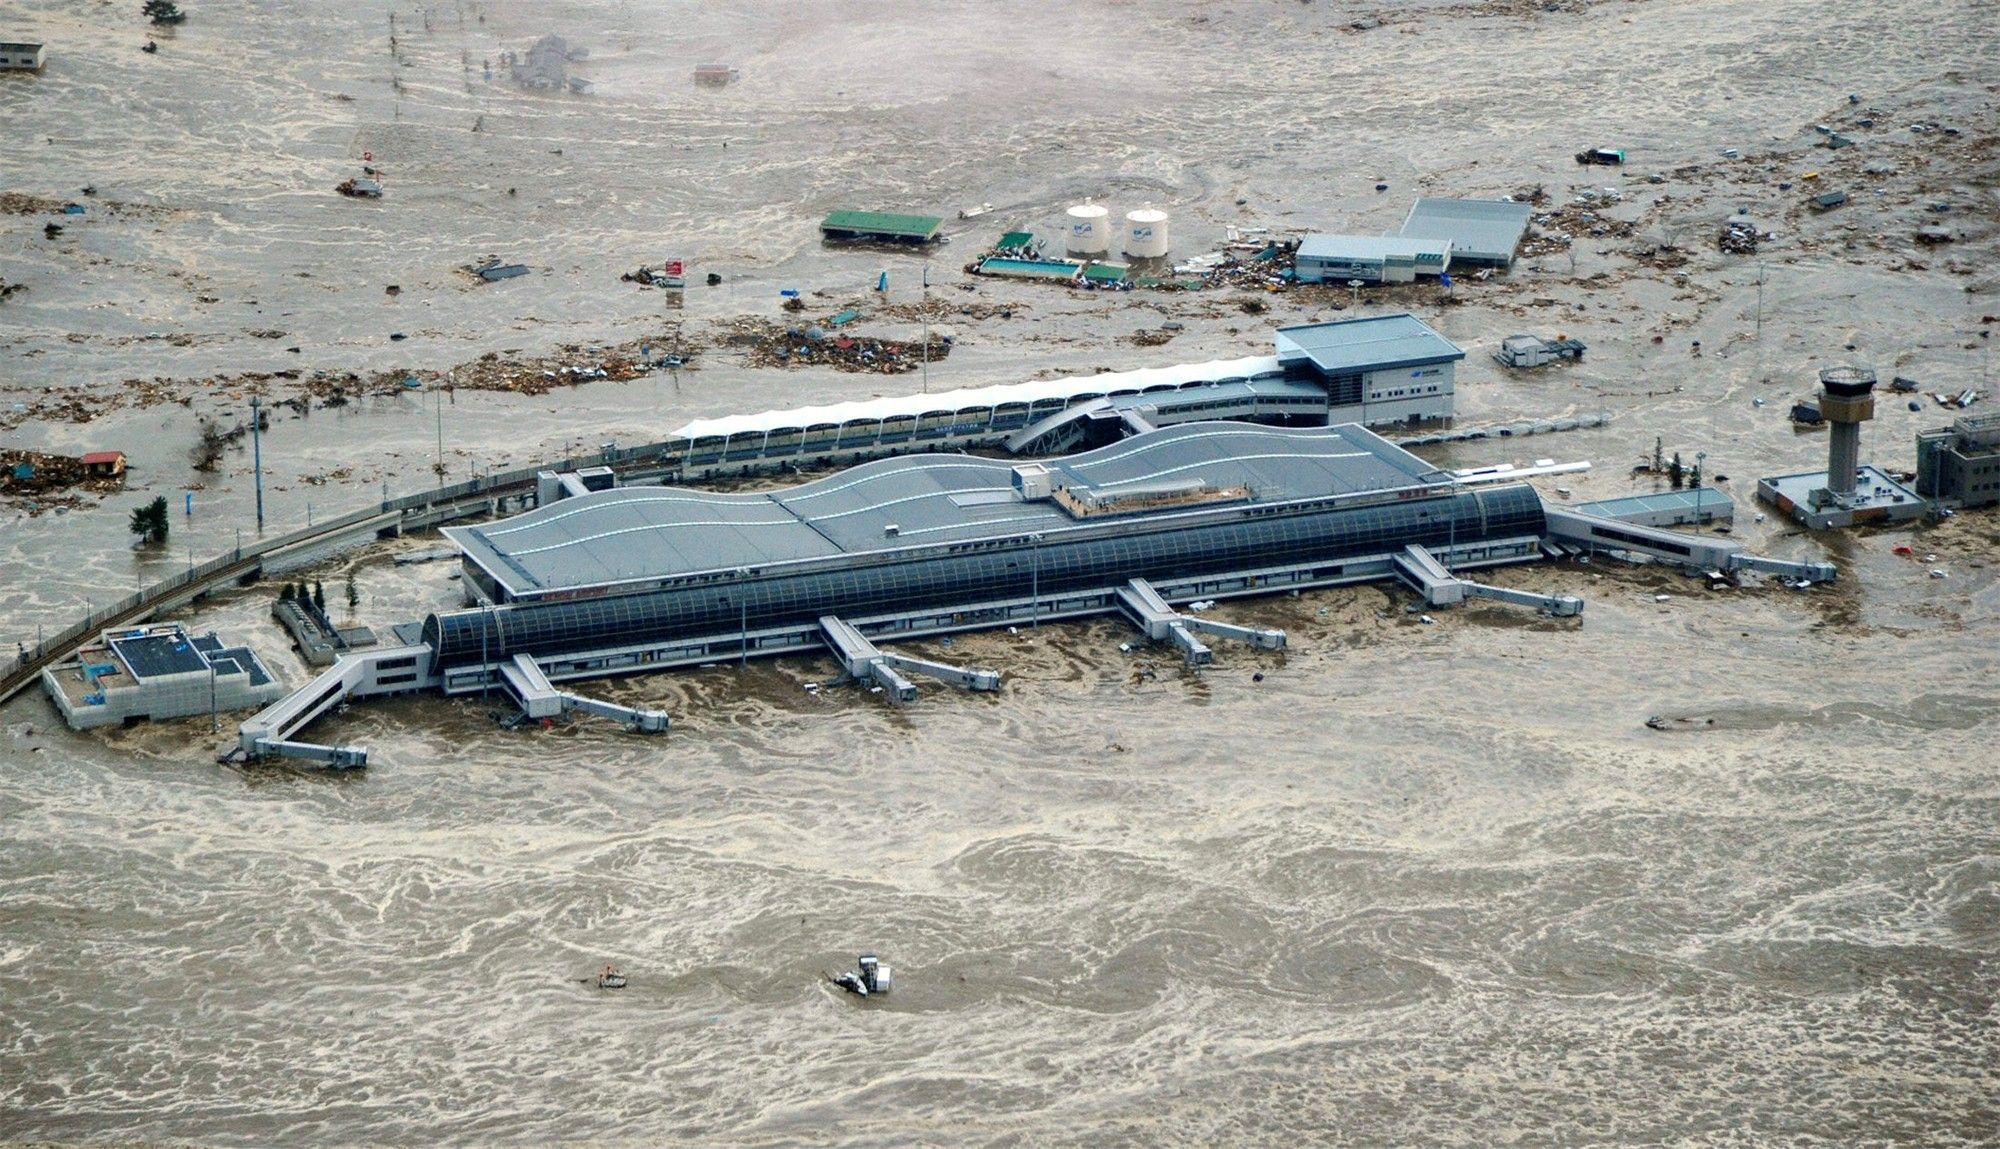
(1706,499)
(1479,229)
(1374,343)
(648,533)
(1369,246)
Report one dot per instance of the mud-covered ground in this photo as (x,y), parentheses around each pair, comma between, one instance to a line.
(1424,883)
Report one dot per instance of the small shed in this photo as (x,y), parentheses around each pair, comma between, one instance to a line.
(104,464)
(22,56)
(1534,351)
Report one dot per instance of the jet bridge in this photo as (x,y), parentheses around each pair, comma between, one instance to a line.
(1426,574)
(1161,622)
(540,699)
(866,662)
(1690,551)
(268,733)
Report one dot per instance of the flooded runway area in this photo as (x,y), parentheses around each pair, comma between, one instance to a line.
(1422,883)
(1437,886)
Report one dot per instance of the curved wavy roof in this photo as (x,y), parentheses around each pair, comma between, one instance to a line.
(648,533)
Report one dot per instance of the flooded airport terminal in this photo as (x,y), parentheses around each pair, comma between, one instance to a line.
(1185,574)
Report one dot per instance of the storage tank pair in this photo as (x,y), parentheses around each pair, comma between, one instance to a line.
(1090,231)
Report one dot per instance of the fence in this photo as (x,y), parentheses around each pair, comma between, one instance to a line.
(49,648)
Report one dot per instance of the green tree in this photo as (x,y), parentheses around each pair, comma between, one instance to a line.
(353,594)
(319,596)
(285,595)
(150,521)
(163,12)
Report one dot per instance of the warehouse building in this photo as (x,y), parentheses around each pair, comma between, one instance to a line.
(881,227)
(1961,463)
(1370,258)
(1484,232)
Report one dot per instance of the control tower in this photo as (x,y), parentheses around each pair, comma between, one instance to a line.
(1846,492)
(1847,400)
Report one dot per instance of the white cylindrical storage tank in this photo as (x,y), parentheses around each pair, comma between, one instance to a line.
(1089,229)
(1146,233)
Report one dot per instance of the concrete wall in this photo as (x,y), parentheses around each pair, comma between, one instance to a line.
(167,696)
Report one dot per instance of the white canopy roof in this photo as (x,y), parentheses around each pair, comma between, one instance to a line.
(1066,388)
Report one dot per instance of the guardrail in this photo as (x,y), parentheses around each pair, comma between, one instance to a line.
(31,658)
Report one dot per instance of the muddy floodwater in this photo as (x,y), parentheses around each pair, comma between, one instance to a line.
(1416,880)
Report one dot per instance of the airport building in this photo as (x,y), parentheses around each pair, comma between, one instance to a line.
(1961,463)
(156,671)
(1375,371)
(636,579)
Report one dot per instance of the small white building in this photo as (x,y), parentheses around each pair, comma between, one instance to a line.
(1534,351)
(22,56)
(1370,258)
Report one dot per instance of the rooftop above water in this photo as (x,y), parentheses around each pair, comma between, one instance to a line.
(649,533)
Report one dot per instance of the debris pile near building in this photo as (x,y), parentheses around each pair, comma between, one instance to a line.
(36,472)
(819,346)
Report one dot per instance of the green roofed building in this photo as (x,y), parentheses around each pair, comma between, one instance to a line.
(881,226)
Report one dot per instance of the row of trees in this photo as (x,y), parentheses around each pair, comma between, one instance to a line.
(316,596)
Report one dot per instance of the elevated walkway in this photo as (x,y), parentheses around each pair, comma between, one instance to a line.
(866,662)
(268,733)
(1422,571)
(1589,532)
(1057,433)
(1162,623)
(1426,574)
(539,699)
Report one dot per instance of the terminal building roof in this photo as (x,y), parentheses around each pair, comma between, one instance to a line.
(647,534)
(1373,343)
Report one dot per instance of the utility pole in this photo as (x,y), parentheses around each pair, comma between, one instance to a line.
(1700,457)
(257,454)
(440,437)
(926,305)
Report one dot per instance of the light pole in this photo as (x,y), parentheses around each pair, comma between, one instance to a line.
(925,303)
(257,453)
(440,437)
